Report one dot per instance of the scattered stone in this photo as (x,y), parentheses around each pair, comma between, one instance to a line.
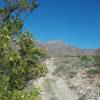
(78,85)
(82,97)
(98,84)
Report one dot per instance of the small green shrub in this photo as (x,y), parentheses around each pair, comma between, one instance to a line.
(86,61)
(91,71)
(96,61)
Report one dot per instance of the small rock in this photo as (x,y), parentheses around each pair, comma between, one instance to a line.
(82,92)
(98,84)
(88,88)
(84,76)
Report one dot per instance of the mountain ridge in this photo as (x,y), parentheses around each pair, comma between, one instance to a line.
(59,48)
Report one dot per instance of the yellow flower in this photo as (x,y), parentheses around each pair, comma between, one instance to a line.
(18,56)
(8,37)
(22,96)
(11,59)
(39,87)
(5,29)
(9,92)
(5,45)
(31,39)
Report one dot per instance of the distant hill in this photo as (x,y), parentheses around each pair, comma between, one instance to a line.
(59,48)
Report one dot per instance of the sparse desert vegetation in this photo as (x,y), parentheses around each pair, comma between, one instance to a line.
(54,70)
(71,79)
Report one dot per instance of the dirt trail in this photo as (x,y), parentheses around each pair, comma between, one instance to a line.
(55,88)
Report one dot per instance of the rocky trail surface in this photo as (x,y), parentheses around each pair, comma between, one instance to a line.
(79,87)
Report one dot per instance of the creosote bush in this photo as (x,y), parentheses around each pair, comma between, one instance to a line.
(91,62)
(87,61)
(20,59)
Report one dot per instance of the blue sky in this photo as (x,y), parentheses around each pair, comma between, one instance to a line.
(76,22)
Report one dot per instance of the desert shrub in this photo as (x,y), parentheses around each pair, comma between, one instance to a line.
(21,95)
(92,62)
(20,60)
(87,61)
(96,61)
(91,71)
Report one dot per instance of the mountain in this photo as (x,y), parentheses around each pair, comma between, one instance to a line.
(59,48)
(98,51)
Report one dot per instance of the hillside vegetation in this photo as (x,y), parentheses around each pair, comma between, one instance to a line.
(71,78)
